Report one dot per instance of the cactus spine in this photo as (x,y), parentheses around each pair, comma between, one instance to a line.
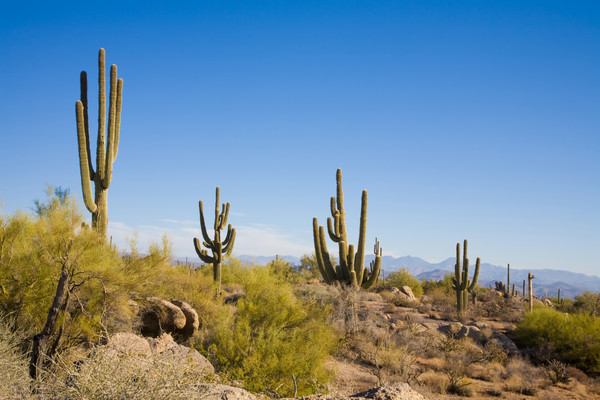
(350,269)
(106,148)
(460,282)
(530,281)
(221,249)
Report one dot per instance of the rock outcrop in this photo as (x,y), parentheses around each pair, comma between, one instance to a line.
(175,317)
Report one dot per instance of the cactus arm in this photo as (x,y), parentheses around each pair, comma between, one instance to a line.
(228,249)
(83,160)
(350,264)
(207,240)
(118,118)
(224,216)
(475,275)
(333,234)
(374,274)
(112,110)
(216,225)
(202,253)
(230,231)
(327,264)
(332,206)
(86,124)
(100,156)
(343,250)
(319,254)
(362,237)
(457,276)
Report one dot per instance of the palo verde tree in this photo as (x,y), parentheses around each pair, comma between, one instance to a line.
(460,282)
(350,270)
(221,249)
(106,147)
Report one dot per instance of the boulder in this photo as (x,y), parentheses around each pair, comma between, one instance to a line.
(166,349)
(192,323)
(212,391)
(408,292)
(398,391)
(160,316)
(129,343)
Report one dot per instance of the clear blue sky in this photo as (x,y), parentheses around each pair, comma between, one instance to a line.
(463,119)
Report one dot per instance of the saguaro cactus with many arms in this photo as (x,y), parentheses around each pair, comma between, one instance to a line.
(350,270)
(106,148)
(460,282)
(221,249)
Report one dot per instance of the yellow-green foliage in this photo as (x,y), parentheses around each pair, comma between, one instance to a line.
(270,337)
(404,278)
(33,250)
(574,337)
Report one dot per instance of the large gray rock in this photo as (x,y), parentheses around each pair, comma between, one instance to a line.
(163,316)
(165,348)
(397,391)
(408,292)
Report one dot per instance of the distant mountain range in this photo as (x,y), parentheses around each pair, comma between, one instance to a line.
(546,281)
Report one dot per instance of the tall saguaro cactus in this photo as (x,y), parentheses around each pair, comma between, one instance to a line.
(106,147)
(508,280)
(530,283)
(460,282)
(350,270)
(221,249)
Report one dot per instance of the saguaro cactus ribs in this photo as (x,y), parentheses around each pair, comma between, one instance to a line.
(350,269)
(106,149)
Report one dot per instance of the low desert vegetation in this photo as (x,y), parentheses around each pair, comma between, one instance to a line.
(272,329)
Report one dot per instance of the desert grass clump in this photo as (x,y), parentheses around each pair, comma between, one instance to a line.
(107,374)
(523,378)
(14,378)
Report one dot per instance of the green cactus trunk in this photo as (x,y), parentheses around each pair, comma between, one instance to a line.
(508,280)
(524,288)
(530,282)
(106,147)
(350,271)
(221,249)
(460,282)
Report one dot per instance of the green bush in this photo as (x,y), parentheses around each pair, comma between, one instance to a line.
(443,285)
(404,278)
(271,338)
(574,338)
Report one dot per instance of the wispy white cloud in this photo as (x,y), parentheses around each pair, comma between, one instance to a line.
(255,240)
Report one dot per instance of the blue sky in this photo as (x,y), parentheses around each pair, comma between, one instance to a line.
(468,119)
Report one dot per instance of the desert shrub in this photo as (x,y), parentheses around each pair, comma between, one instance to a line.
(271,338)
(444,285)
(556,371)
(522,377)
(404,278)
(102,283)
(588,302)
(575,338)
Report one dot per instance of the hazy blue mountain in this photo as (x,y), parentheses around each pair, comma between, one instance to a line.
(546,281)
